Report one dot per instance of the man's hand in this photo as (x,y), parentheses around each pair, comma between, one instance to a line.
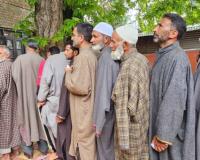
(98,134)
(59,119)
(158,145)
(40,104)
(68,69)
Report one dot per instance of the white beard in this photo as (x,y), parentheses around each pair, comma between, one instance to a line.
(117,54)
(97,47)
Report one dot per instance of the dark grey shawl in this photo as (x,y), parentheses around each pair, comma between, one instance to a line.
(197,103)
(172,109)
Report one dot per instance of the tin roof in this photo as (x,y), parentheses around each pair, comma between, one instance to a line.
(189,28)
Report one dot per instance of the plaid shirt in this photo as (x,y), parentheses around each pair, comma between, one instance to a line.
(131,98)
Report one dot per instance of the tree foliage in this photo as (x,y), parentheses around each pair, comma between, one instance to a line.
(92,11)
(111,11)
(150,11)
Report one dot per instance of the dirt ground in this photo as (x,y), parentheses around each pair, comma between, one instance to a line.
(37,156)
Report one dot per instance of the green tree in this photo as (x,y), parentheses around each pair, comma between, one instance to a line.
(50,21)
(150,11)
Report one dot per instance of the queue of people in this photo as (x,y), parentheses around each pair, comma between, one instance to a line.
(100,99)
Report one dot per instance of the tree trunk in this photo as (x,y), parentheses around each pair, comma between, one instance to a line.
(49,17)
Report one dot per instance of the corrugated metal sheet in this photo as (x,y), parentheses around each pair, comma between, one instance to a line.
(191,41)
(146,45)
(189,28)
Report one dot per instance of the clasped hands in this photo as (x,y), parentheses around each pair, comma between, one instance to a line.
(158,145)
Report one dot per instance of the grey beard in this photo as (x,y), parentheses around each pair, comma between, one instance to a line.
(117,54)
(97,47)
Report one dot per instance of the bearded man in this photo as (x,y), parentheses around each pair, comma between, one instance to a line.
(130,95)
(107,71)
